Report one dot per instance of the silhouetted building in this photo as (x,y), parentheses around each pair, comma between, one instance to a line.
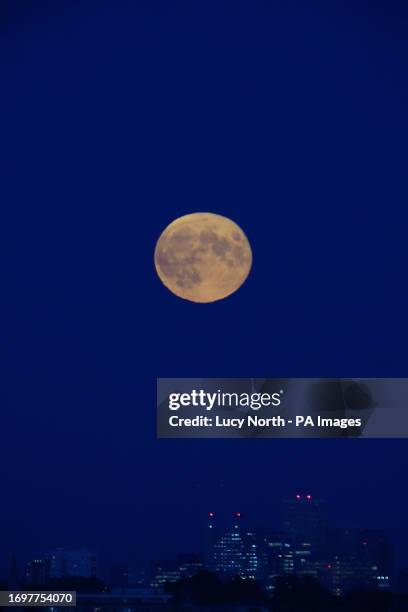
(356,559)
(190,564)
(376,550)
(127,575)
(275,557)
(164,571)
(184,566)
(37,572)
(305,525)
(304,558)
(13,577)
(338,574)
(79,563)
(211,534)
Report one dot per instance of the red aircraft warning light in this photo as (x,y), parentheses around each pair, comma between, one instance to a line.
(237,514)
(211,515)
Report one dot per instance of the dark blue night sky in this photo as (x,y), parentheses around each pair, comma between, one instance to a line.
(290,118)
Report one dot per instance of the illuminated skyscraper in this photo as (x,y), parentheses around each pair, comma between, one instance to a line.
(229,550)
(233,549)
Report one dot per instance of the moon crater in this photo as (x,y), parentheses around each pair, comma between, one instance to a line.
(203,257)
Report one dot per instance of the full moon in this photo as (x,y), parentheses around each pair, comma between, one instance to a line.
(203,257)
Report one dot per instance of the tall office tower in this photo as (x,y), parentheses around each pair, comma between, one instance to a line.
(228,554)
(79,563)
(338,571)
(232,549)
(252,553)
(305,524)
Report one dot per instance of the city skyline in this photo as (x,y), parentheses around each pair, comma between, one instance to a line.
(305,543)
(277,523)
